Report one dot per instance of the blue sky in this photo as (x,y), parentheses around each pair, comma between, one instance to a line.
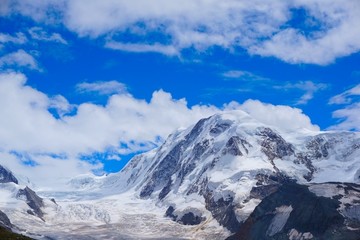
(85,86)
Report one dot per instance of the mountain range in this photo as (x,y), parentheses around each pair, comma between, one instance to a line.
(229,176)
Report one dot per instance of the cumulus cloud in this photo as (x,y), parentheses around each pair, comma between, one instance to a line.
(335,37)
(19,58)
(33,128)
(124,125)
(102,87)
(279,116)
(328,31)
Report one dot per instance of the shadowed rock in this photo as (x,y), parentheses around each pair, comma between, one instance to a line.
(5,221)
(7,176)
(32,199)
(294,212)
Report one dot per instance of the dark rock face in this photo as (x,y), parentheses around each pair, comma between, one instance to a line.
(6,228)
(171,163)
(260,192)
(187,219)
(220,128)
(7,176)
(319,147)
(200,148)
(223,211)
(191,219)
(266,185)
(199,186)
(166,168)
(234,144)
(170,213)
(295,211)
(5,221)
(34,201)
(306,160)
(273,145)
(165,190)
(196,130)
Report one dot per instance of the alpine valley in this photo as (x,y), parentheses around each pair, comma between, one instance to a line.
(229,176)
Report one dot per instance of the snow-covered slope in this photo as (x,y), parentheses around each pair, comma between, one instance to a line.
(211,175)
(216,163)
(232,145)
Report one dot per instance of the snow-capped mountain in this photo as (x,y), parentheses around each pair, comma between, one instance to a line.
(221,168)
(209,180)
(210,169)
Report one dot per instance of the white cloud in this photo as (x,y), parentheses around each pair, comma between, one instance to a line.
(280,116)
(61,105)
(40,10)
(309,88)
(19,58)
(49,173)
(329,31)
(29,128)
(130,47)
(38,33)
(345,97)
(4,7)
(349,118)
(337,36)
(349,115)
(102,88)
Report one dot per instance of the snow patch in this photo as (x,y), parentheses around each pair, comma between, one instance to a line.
(326,190)
(279,220)
(295,235)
